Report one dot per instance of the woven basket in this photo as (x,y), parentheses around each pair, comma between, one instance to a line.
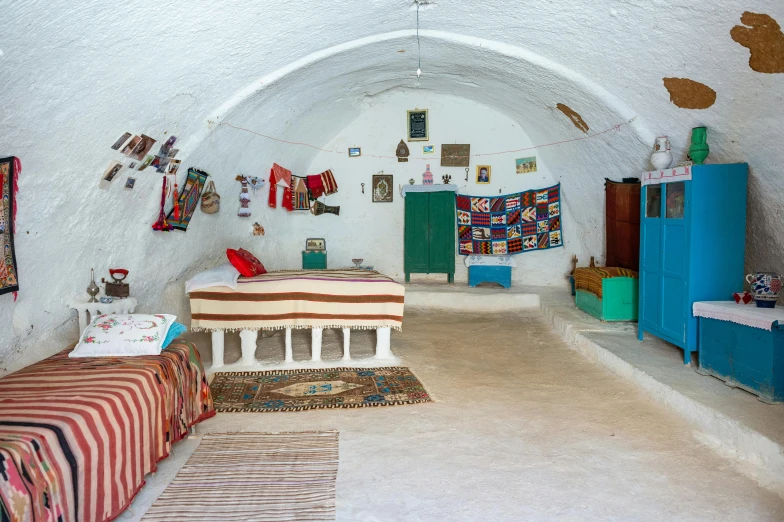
(210,199)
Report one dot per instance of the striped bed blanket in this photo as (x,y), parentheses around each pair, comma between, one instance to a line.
(77,436)
(350,298)
(590,278)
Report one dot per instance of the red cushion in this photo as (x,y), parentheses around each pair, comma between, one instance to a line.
(245,262)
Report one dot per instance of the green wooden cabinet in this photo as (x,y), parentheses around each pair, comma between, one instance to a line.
(430,234)
(314,260)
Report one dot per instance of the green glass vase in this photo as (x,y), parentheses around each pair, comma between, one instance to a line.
(699,145)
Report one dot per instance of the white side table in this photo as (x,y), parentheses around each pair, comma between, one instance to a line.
(86,310)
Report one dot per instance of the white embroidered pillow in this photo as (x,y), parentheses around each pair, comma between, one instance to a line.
(124,334)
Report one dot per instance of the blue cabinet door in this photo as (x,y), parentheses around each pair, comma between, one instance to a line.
(664,307)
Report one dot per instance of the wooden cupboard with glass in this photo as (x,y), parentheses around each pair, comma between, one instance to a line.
(692,245)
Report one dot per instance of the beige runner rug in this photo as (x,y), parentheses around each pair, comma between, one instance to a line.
(254,477)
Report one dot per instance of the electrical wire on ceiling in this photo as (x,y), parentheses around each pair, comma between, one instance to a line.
(419,48)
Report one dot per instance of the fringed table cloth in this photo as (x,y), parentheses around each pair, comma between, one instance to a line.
(315,299)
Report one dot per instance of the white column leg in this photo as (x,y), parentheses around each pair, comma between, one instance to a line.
(383,337)
(316,343)
(289,351)
(217,348)
(248,344)
(346,342)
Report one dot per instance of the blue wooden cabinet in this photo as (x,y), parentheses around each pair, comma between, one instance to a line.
(692,244)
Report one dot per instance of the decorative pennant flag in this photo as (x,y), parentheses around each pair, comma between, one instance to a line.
(511,224)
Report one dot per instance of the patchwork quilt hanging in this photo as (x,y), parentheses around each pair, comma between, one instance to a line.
(9,170)
(510,224)
(189,199)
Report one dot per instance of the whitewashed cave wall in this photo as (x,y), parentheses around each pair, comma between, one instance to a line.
(76,76)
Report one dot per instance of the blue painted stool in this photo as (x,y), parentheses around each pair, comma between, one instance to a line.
(490,269)
(490,274)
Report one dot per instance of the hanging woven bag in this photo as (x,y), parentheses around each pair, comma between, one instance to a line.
(210,199)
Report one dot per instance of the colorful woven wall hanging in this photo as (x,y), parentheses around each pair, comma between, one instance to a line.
(510,224)
(10,169)
(189,199)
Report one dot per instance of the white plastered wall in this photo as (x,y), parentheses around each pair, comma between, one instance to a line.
(76,76)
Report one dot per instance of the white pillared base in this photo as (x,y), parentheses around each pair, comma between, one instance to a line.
(248,338)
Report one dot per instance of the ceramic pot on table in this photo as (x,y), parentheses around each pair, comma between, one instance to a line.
(766,287)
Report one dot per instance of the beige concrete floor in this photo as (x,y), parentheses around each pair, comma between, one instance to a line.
(525,429)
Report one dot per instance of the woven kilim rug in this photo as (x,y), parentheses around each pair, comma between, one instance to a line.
(296,390)
(254,477)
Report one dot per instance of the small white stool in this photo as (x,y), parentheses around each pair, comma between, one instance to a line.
(85,311)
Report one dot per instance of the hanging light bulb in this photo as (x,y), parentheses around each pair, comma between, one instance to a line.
(419,73)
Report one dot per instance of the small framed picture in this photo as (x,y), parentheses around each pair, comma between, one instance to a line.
(525,165)
(132,165)
(418,128)
(354,152)
(109,174)
(119,143)
(174,165)
(146,162)
(383,190)
(428,149)
(130,182)
(131,145)
(483,173)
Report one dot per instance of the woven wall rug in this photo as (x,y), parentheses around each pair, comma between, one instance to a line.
(254,476)
(297,390)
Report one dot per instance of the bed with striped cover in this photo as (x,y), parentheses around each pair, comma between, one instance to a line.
(350,298)
(77,436)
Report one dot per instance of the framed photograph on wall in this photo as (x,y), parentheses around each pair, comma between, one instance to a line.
(483,173)
(383,189)
(418,127)
(354,152)
(525,165)
(428,149)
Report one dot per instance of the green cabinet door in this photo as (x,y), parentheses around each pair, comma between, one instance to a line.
(442,232)
(416,250)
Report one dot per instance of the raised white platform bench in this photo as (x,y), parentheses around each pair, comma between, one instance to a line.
(248,340)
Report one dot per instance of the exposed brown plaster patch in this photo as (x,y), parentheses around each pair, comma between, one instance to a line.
(688,94)
(575,117)
(764,39)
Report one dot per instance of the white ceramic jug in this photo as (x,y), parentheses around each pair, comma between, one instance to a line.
(661,157)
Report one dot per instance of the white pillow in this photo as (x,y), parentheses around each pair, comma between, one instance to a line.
(124,334)
(223,275)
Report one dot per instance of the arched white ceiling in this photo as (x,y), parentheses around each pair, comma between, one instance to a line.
(76,77)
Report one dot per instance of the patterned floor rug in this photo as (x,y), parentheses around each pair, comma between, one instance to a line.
(297,390)
(254,476)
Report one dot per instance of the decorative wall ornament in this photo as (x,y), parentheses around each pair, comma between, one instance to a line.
(428,149)
(131,145)
(447,179)
(210,199)
(109,174)
(258,230)
(190,198)
(244,210)
(382,188)
(130,182)
(10,168)
(454,155)
(147,162)
(354,152)
(402,152)
(142,148)
(122,141)
(418,128)
(319,208)
(525,165)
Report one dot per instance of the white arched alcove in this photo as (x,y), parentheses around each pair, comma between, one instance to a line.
(314,99)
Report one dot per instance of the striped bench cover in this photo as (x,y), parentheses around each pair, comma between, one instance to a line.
(351,298)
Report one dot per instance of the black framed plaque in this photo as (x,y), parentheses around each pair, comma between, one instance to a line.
(418,125)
